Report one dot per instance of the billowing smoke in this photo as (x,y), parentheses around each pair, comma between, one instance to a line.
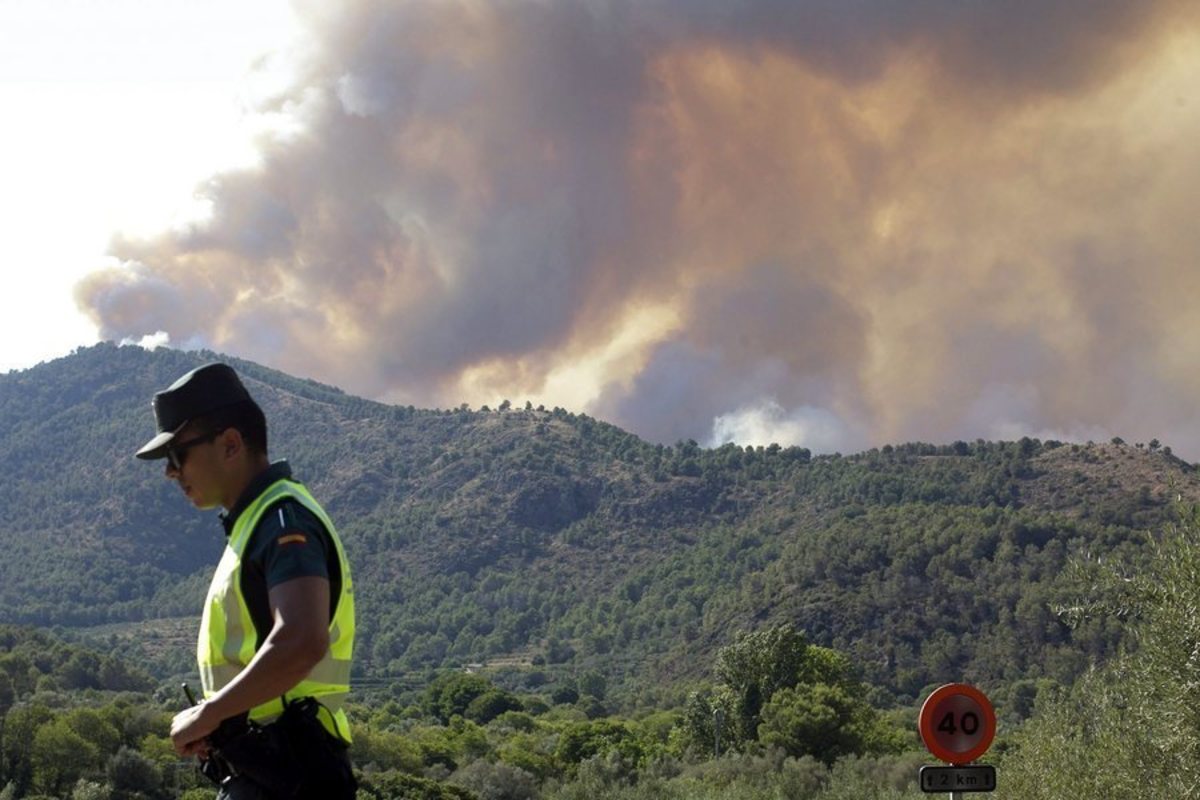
(825,223)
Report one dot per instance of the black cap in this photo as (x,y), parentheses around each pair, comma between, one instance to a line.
(204,389)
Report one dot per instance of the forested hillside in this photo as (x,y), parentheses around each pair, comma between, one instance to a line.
(546,544)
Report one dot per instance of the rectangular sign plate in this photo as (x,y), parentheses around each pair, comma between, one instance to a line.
(958,779)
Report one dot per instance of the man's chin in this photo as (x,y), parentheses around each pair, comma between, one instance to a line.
(199,502)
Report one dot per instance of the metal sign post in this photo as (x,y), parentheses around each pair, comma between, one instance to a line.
(957,725)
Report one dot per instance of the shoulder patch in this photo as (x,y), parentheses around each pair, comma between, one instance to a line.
(292,538)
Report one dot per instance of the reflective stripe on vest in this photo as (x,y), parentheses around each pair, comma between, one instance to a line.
(228,638)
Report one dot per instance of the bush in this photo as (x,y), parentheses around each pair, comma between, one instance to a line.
(90,790)
(580,741)
(528,752)
(400,786)
(600,776)
(564,695)
(498,781)
(60,757)
(1128,729)
(514,721)
(818,720)
(130,771)
(198,794)
(451,693)
(486,707)
(385,750)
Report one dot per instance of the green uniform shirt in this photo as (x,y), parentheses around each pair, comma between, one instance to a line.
(289,542)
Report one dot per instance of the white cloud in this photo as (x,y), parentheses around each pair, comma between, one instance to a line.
(151,341)
(766,422)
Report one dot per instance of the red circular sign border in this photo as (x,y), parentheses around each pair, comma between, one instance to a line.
(925,723)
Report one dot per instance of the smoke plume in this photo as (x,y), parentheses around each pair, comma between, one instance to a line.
(827,223)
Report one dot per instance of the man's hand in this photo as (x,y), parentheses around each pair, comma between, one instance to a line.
(189,729)
(296,643)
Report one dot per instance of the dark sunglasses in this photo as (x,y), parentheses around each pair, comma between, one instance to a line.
(177,453)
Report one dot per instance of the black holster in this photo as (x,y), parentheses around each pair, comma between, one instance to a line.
(291,758)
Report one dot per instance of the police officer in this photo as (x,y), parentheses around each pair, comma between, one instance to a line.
(277,628)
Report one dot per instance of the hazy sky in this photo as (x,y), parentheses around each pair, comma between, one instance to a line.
(835,224)
(114,110)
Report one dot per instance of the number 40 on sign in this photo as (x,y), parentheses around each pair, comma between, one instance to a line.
(958,724)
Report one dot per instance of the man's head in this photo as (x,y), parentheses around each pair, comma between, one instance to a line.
(212,434)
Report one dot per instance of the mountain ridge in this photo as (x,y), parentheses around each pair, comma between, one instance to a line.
(477,535)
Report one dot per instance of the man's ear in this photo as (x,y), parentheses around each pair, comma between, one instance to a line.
(231,443)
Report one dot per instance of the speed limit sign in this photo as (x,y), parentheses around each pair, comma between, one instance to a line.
(957,723)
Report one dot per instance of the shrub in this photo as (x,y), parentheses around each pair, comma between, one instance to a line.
(491,704)
(1128,729)
(497,781)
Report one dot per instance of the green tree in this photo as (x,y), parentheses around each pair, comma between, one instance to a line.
(582,740)
(91,790)
(496,781)
(760,663)
(703,711)
(754,670)
(385,750)
(491,704)
(818,720)
(529,752)
(81,671)
(21,724)
(93,727)
(7,694)
(133,774)
(593,683)
(1130,727)
(60,757)
(198,793)
(452,692)
(565,694)
(401,786)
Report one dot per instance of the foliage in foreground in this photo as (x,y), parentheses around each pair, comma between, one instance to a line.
(1130,729)
(797,728)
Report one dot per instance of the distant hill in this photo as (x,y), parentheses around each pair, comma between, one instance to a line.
(546,543)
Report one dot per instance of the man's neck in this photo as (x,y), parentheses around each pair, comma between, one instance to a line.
(240,479)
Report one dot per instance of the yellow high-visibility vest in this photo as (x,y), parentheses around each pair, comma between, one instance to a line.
(228,639)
